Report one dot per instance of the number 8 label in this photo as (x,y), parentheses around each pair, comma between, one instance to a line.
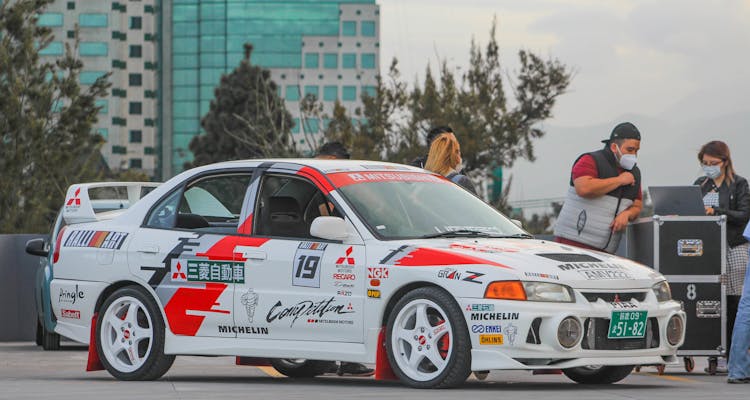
(691,293)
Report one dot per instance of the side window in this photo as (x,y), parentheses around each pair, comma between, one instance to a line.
(210,204)
(288,205)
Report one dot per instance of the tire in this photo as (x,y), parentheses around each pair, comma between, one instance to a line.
(301,368)
(427,340)
(50,341)
(39,333)
(598,375)
(130,336)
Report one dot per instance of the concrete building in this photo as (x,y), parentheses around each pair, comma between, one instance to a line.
(328,48)
(117,36)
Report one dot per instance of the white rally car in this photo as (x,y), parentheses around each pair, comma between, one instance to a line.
(293,262)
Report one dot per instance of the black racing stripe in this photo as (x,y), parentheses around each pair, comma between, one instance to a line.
(184,244)
(569,257)
(392,254)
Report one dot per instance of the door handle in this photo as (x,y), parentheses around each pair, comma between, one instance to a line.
(254,255)
(149,249)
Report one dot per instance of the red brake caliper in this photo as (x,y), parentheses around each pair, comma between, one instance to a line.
(444,343)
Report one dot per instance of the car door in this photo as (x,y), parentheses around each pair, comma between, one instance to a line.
(185,250)
(299,287)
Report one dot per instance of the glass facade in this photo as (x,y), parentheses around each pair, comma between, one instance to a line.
(298,40)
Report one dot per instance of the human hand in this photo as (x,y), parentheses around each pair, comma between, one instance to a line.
(620,222)
(626,178)
(710,211)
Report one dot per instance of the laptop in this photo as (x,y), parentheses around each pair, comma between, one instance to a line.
(677,200)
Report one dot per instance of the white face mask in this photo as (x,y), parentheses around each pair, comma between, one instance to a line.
(712,171)
(627,161)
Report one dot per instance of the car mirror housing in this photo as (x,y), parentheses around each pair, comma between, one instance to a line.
(37,247)
(331,228)
(518,223)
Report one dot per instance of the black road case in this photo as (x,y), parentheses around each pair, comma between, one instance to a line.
(691,253)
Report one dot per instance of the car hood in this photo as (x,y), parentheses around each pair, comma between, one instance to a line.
(531,260)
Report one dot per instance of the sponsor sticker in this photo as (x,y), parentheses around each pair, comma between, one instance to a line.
(344,276)
(541,275)
(597,270)
(486,329)
(347,259)
(375,282)
(249,299)
(98,239)
(511,332)
(306,271)
(472,277)
(374,293)
(480,307)
(492,316)
(449,273)
(309,309)
(243,330)
(70,296)
(493,340)
(342,292)
(377,272)
(212,271)
(72,314)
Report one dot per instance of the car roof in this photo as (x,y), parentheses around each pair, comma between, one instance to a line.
(323,165)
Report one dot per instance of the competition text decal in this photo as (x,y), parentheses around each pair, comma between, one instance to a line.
(100,239)
(307,308)
(208,271)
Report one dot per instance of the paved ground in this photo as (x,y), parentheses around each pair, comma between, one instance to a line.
(28,372)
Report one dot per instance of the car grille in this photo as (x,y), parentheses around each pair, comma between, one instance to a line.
(595,336)
(612,297)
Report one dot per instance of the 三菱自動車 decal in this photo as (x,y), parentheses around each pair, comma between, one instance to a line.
(480,307)
(307,308)
(306,268)
(98,239)
(186,270)
(249,299)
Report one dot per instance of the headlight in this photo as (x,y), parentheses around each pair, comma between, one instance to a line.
(662,292)
(531,291)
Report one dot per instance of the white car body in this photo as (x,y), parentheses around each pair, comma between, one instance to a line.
(238,293)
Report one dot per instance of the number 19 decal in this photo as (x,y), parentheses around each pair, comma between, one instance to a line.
(306,271)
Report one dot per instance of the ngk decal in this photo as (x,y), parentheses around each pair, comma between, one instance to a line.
(377,272)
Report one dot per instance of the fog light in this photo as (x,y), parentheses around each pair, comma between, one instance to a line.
(675,327)
(569,332)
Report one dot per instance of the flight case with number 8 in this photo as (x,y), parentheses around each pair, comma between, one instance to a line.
(691,253)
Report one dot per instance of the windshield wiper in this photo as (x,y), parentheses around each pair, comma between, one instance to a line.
(515,236)
(457,233)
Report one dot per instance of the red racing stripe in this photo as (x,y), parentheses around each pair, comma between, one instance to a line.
(423,257)
(320,180)
(192,299)
(223,250)
(246,227)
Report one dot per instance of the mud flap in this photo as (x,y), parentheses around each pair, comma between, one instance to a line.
(93,364)
(383,371)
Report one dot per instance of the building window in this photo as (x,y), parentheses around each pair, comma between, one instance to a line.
(292,93)
(135,22)
(135,108)
(119,150)
(136,163)
(349,60)
(92,20)
(368,28)
(369,90)
(50,19)
(89,77)
(349,93)
(311,60)
(135,79)
(103,106)
(71,5)
(119,64)
(311,91)
(312,125)
(349,28)
(330,93)
(149,150)
(93,49)
(52,49)
(368,61)
(71,34)
(119,35)
(119,92)
(330,60)
(135,51)
(136,136)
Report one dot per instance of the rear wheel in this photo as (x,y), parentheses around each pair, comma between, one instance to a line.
(301,368)
(130,336)
(598,374)
(48,340)
(427,342)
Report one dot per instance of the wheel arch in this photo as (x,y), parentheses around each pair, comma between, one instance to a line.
(400,292)
(114,286)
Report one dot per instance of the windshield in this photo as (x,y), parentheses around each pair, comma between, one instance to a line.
(417,209)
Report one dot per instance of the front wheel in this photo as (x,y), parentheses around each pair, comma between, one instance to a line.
(598,374)
(302,368)
(130,336)
(427,341)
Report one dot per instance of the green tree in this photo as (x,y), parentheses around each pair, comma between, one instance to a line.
(46,121)
(246,119)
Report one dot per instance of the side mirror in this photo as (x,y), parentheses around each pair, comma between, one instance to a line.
(331,228)
(518,223)
(37,247)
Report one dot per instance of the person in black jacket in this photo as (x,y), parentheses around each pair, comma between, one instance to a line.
(726,193)
(421,161)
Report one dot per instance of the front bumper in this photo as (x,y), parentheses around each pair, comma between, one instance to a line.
(523,334)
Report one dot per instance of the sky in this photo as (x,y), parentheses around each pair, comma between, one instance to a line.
(668,65)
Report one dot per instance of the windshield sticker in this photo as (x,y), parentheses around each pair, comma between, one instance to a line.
(341,179)
(99,239)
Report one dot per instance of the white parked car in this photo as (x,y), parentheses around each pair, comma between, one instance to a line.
(295,262)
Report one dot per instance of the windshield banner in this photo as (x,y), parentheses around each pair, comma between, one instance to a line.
(341,179)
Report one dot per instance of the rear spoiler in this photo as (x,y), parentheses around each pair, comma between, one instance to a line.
(79,207)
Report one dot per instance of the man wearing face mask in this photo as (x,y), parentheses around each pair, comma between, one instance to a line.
(604,195)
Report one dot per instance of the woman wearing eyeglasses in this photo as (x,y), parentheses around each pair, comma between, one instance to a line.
(726,193)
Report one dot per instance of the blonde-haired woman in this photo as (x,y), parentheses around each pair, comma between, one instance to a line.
(444,158)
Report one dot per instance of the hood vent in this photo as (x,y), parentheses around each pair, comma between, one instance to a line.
(568,257)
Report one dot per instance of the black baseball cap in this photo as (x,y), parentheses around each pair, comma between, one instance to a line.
(624,130)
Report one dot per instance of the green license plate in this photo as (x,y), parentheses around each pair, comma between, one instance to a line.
(627,324)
